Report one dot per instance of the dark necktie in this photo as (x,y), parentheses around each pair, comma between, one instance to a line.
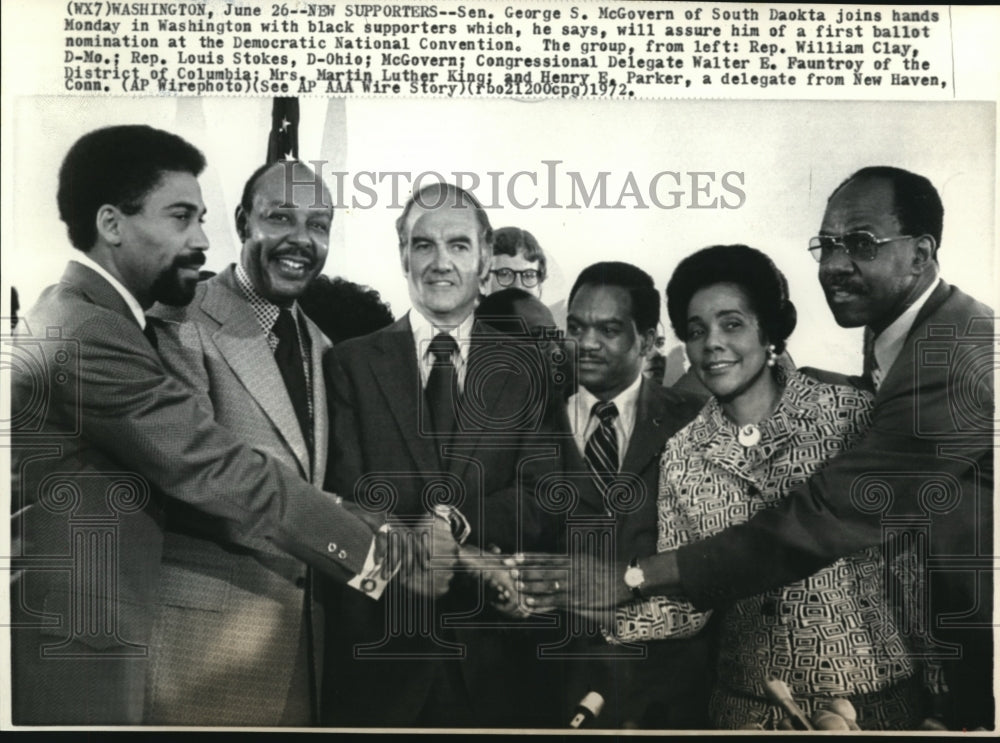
(150,334)
(442,384)
(872,373)
(288,354)
(601,451)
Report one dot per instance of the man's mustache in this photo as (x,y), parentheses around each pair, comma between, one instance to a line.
(195,260)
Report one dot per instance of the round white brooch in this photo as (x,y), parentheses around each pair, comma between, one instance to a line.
(749,435)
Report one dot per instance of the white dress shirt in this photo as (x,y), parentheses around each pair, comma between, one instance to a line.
(889,342)
(423,333)
(583,423)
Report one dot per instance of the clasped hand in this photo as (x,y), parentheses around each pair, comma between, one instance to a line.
(426,554)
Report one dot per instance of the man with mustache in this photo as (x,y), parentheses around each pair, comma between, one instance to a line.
(922,475)
(105,441)
(620,422)
(426,413)
(249,655)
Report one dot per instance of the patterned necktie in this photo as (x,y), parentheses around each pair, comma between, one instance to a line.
(871,367)
(601,451)
(442,384)
(288,354)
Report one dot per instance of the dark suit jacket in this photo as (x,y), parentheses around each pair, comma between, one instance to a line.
(100,431)
(230,645)
(668,688)
(383,458)
(925,465)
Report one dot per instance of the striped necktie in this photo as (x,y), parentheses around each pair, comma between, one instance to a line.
(601,451)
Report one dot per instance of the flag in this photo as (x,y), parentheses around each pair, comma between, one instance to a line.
(283,142)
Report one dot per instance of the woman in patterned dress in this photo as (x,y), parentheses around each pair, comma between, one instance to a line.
(765,431)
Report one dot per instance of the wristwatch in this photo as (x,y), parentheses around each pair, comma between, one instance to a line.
(634,578)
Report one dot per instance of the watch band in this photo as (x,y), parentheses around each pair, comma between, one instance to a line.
(636,589)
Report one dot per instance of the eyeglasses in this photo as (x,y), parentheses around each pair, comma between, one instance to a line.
(547,334)
(859,246)
(505,276)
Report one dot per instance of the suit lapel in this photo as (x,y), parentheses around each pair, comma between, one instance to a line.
(649,433)
(901,370)
(575,463)
(321,421)
(394,368)
(495,396)
(242,344)
(96,288)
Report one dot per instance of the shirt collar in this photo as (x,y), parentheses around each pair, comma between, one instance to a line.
(131,301)
(889,342)
(625,401)
(797,401)
(263,308)
(424,331)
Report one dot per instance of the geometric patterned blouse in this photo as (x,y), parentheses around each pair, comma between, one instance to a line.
(831,634)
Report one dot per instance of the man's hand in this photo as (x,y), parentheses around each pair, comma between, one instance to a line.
(427,554)
(501,592)
(582,584)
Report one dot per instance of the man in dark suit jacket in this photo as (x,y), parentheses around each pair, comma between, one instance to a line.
(248,653)
(924,472)
(100,431)
(614,309)
(398,451)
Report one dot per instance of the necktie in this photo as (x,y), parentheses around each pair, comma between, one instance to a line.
(288,354)
(876,374)
(150,334)
(601,451)
(871,367)
(442,384)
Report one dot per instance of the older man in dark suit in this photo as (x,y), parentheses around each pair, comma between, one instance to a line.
(248,653)
(101,430)
(424,413)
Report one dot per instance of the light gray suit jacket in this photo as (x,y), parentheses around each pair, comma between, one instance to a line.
(237,627)
(101,434)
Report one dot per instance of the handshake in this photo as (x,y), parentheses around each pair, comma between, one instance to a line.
(427,552)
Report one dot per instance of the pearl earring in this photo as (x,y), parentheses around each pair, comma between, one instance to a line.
(772,357)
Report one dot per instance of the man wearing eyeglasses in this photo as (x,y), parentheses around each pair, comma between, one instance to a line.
(922,476)
(518,261)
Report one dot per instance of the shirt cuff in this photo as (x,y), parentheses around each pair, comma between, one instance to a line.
(459,525)
(370,580)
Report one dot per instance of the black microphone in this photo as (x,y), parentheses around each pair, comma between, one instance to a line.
(587,710)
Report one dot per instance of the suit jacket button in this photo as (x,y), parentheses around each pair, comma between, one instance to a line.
(342,554)
(332,547)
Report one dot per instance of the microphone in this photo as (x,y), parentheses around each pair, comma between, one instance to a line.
(587,710)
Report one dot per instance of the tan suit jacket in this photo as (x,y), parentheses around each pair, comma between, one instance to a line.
(236,627)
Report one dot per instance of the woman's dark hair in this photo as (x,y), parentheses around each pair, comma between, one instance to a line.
(764,285)
(343,309)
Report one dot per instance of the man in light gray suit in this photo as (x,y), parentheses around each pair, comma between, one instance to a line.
(238,630)
(105,442)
